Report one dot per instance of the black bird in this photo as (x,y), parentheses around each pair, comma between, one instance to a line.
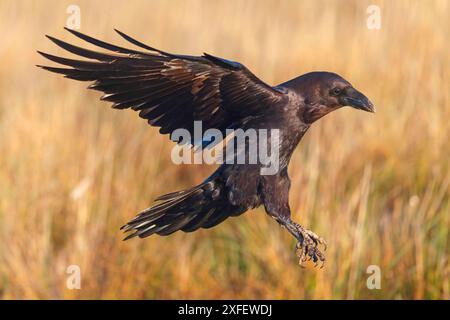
(172,91)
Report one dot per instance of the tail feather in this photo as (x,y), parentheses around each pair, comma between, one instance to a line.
(203,206)
(172,195)
(198,221)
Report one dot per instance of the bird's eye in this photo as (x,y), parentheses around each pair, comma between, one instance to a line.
(336,91)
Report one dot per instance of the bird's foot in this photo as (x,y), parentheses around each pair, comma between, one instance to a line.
(307,247)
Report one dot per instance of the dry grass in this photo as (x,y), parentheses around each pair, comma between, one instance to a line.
(376,187)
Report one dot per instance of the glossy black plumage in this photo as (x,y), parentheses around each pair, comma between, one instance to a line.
(172,91)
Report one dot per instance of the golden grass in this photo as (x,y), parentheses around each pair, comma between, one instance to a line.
(376,187)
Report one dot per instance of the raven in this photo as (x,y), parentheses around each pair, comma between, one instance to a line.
(172,91)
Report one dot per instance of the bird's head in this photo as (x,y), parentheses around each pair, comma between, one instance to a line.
(324,92)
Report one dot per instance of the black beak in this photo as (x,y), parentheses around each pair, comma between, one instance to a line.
(357,100)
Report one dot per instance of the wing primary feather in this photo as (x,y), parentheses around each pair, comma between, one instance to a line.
(71,73)
(103,44)
(82,65)
(143,45)
(83,52)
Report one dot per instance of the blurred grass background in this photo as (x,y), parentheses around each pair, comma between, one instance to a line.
(376,187)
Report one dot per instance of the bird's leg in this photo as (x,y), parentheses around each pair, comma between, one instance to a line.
(308,242)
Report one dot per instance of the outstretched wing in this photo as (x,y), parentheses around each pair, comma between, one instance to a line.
(170,91)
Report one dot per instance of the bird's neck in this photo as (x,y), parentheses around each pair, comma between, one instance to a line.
(314,111)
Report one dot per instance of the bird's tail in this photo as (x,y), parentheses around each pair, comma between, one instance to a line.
(202,206)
